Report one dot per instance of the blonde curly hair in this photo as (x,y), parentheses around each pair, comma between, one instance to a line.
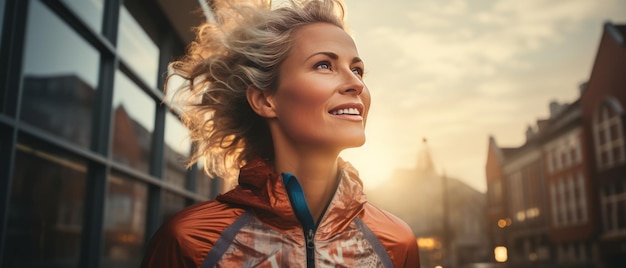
(245,46)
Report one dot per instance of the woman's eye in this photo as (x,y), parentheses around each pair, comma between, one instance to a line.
(323,66)
(358,71)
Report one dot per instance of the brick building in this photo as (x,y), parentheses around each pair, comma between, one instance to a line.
(559,200)
(603,120)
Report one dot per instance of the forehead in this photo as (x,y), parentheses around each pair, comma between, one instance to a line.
(326,37)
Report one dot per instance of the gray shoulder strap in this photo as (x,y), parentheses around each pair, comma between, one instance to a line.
(376,244)
(227,237)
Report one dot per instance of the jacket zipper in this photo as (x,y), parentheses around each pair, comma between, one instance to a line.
(301,209)
(310,248)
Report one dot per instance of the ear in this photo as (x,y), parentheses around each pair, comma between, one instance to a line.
(260,101)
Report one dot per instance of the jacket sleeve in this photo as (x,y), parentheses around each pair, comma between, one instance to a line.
(395,235)
(186,239)
(165,250)
(412,257)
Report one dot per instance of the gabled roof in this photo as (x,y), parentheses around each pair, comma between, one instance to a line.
(618,32)
(501,153)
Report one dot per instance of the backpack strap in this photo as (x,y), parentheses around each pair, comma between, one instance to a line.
(225,240)
(378,247)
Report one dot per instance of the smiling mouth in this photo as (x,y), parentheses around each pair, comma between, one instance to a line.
(346,111)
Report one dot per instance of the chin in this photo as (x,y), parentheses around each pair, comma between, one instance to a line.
(355,142)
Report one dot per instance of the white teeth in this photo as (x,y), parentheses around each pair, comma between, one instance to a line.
(351,111)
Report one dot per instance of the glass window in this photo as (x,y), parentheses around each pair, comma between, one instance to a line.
(60,77)
(608,138)
(124,222)
(137,49)
(621,215)
(133,123)
(46,209)
(89,11)
(1,20)
(176,152)
(170,204)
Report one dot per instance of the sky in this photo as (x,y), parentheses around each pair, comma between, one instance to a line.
(457,71)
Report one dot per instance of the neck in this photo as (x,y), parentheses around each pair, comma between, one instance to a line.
(317,174)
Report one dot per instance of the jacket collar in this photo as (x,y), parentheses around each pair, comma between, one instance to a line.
(261,189)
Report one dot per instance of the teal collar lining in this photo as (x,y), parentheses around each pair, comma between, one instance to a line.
(298,201)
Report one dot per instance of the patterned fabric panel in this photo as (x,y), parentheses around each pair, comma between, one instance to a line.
(257,245)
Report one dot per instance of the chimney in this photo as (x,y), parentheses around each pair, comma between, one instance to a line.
(530,133)
(555,108)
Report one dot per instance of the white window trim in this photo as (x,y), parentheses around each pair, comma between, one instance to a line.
(601,122)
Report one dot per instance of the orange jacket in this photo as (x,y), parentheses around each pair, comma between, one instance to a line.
(254,225)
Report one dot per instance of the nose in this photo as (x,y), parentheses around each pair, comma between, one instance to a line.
(353,84)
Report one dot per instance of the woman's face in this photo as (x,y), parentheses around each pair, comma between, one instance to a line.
(321,99)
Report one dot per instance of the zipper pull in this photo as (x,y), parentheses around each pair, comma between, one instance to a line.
(309,239)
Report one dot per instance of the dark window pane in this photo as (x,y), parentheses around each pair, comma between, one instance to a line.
(619,188)
(46,209)
(610,113)
(170,204)
(617,154)
(601,136)
(614,132)
(610,215)
(124,222)
(60,75)
(89,11)
(1,20)
(177,148)
(137,49)
(604,158)
(133,123)
(621,215)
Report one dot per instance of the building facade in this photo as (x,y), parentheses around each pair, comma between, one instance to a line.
(527,233)
(572,211)
(604,120)
(570,176)
(91,161)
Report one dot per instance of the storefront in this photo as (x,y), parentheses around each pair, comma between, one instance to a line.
(91,161)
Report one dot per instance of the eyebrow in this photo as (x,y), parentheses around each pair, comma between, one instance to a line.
(334,56)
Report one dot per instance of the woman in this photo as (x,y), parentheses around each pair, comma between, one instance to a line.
(282,94)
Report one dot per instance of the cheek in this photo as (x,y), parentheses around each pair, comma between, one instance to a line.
(303,98)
